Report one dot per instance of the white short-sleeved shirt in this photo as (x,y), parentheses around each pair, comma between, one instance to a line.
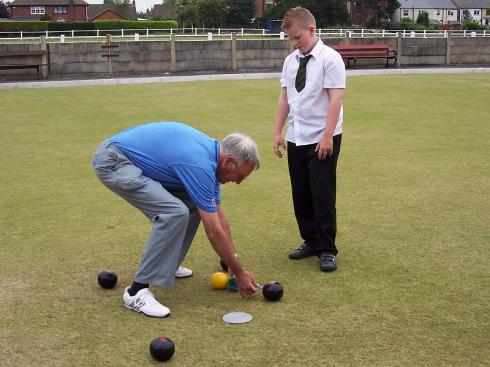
(308,109)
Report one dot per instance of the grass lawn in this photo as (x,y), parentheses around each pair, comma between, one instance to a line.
(412,288)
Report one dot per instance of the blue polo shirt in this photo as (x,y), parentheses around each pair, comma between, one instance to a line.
(176,155)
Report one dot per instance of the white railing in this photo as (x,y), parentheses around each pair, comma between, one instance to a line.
(223,33)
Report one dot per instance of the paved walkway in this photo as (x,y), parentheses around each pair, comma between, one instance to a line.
(191,78)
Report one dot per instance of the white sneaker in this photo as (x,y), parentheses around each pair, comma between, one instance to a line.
(144,301)
(183,272)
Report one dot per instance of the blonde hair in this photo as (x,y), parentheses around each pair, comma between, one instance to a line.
(298,15)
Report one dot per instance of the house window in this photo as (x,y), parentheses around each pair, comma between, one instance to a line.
(438,12)
(405,13)
(450,13)
(476,12)
(38,10)
(60,10)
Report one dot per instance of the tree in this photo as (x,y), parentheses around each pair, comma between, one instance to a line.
(326,12)
(211,13)
(4,10)
(144,14)
(120,6)
(187,12)
(391,8)
(423,19)
(409,24)
(240,12)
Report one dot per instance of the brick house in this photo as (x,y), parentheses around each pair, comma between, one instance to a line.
(57,10)
(360,10)
(109,12)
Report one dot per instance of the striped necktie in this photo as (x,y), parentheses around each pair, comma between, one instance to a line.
(301,74)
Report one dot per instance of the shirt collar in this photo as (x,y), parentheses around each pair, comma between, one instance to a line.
(315,52)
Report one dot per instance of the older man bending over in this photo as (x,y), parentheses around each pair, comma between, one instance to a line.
(172,173)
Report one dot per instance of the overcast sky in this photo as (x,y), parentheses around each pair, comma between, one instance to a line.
(141,5)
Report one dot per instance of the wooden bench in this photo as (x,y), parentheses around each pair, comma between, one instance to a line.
(31,60)
(354,52)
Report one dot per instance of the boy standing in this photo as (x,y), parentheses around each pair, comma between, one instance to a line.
(312,89)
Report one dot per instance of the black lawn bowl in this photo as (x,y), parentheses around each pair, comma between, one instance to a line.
(162,348)
(107,279)
(273,291)
(223,265)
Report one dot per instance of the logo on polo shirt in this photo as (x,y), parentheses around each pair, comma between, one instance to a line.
(213,202)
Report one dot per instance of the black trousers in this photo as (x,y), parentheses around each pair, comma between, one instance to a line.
(314,185)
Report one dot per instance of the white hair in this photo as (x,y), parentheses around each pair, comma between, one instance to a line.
(242,148)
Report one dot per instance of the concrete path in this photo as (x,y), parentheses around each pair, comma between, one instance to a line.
(192,78)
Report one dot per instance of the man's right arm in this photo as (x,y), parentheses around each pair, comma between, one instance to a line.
(226,251)
(281,115)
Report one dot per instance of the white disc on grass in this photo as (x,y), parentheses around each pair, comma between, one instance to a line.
(237,317)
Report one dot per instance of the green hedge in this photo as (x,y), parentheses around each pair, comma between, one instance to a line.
(68,26)
(98,24)
(134,24)
(473,25)
(23,26)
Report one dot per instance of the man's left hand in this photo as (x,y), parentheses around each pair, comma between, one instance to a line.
(324,148)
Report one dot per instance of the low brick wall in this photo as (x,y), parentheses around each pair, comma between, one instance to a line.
(162,57)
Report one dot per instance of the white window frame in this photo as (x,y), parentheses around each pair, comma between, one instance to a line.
(476,12)
(38,10)
(406,13)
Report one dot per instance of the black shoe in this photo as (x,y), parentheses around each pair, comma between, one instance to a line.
(327,262)
(303,251)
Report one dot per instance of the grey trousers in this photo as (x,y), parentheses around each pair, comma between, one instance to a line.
(173,215)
